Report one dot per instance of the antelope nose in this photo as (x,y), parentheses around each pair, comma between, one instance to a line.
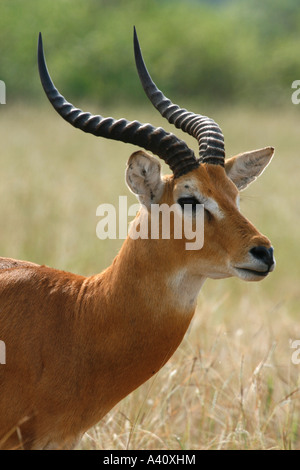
(261,253)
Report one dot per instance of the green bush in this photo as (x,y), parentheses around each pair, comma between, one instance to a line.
(220,51)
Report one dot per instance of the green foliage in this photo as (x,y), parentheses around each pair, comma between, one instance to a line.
(220,51)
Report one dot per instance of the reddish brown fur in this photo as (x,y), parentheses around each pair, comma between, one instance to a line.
(76,346)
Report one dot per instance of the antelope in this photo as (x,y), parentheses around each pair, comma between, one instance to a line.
(75,345)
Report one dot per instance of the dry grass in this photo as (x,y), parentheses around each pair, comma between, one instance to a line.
(227,387)
(231,384)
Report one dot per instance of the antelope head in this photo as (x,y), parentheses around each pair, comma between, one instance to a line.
(232,245)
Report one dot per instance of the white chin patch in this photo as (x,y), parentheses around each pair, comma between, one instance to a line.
(185,288)
(218,275)
(248,275)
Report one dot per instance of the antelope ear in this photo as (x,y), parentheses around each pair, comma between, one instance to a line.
(143,177)
(246,167)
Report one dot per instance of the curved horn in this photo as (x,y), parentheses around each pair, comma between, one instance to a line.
(205,130)
(167,146)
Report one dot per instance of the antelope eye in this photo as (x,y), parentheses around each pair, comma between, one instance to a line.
(192,201)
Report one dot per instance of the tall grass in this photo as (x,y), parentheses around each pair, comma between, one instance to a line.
(231,384)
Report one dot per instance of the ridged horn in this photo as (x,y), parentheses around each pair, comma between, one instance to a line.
(208,134)
(167,146)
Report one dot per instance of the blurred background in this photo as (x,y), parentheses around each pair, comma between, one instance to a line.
(233,60)
(221,52)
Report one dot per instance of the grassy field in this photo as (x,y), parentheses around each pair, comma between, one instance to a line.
(232,383)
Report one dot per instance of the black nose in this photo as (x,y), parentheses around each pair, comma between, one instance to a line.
(263,254)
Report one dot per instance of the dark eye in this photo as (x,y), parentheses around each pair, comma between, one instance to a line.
(208,215)
(182,201)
